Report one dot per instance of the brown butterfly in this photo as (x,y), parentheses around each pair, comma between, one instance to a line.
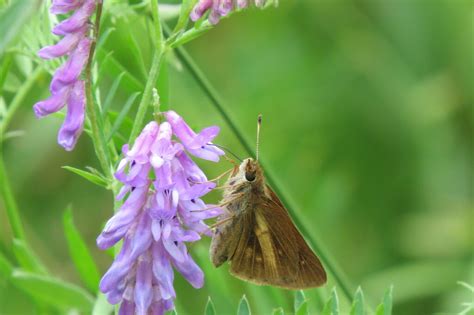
(257,236)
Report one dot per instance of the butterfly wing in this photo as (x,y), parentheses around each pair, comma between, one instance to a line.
(271,251)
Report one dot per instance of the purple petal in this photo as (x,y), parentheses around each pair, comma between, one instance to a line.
(173,249)
(77,20)
(225,6)
(64,6)
(190,271)
(204,137)
(192,170)
(163,272)
(63,47)
(74,123)
(156,229)
(142,146)
(119,269)
(119,224)
(242,4)
(127,308)
(52,104)
(142,238)
(73,67)
(143,286)
(200,8)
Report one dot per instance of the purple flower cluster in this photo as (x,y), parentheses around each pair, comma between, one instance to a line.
(66,87)
(162,212)
(220,8)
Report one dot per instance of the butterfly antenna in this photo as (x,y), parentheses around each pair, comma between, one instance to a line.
(227,150)
(259,124)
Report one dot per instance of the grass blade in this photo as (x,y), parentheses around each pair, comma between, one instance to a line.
(358,303)
(332,305)
(6,268)
(244,308)
(122,115)
(102,306)
(93,178)
(80,254)
(55,292)
(111,94)
(209,310)
(385,308)
(27,258)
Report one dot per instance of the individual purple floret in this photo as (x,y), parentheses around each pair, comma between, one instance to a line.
(220,8)
(163,210)
(66,86)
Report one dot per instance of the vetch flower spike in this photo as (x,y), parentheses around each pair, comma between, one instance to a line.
(66,86)
(220,8)
(162,211)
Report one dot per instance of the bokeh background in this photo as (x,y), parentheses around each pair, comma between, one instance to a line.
(367,128)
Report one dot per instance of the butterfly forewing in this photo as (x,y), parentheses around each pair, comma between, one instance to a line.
(271,251)
(259,239)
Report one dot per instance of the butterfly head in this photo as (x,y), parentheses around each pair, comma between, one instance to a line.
(251,170)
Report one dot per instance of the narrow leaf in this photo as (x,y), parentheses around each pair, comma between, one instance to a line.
(27,258)
(13,18)
(55,292)
(186,8)
(102,306)
(303,309)
(299,300)
(358,303)
(209,310)
(80,254)
(385,308)
(332,305)
(6,267)
(244,308)
(112,92)
(93,178)
(122,115)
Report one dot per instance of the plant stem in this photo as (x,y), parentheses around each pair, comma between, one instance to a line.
(6,192)
(98,138)
(211,92)
(152,76)
(18,99)
(11,207)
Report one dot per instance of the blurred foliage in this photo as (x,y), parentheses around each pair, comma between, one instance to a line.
(368,126)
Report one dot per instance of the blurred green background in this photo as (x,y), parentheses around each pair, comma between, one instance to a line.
(368,128)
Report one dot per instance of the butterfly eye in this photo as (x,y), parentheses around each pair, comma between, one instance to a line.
(250,176)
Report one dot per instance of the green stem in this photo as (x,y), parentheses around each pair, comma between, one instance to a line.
(6,192)
(18,99)
(211,92)
(152,76)
(98,137)
(11,207)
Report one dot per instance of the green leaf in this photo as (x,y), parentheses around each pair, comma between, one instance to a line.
(209,310)
(191,34)
(55,292)
(332,305)
(6,267)
(303,310)
(13,18)
(385,308)
(112,92)
(358,303)
(27,258)
(244,308)
(93,178)
(122,115)
(278,311)
(299,300)
(186,8)
(80,254)
(102,306)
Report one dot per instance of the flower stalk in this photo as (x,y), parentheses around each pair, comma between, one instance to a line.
(98,137)
(158,55)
